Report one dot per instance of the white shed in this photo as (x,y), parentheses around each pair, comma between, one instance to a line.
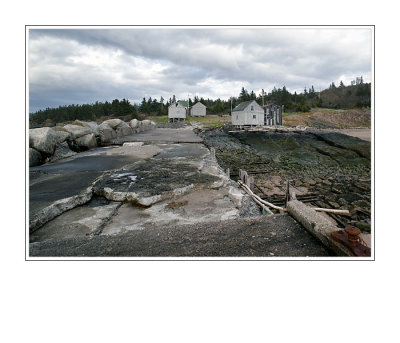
(198,110)
(248,113)
(177,111)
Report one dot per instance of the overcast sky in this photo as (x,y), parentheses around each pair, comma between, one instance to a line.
(77,66)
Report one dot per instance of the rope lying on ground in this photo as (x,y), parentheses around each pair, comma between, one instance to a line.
(265,204)
(259,200)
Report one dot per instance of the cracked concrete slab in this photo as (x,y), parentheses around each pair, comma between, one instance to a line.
(196,206)
(137,151)
(150,181)
(57,187)
(162,135)
(79,222)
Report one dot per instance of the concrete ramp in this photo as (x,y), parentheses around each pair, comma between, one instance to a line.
(275,236)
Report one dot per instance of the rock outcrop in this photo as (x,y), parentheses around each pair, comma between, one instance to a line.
(93,126)
(106,132)
(62,151)
(77,130)
(123,129)
(35,158)
(43,139)
(113,123)
(87,141)
(62,136)
(133,123)
(52,144)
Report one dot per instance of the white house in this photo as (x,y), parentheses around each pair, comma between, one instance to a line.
(248,113)
(177,111)
(198,110)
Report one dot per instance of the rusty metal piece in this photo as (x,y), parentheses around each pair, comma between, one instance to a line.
(350,238)
(353,232)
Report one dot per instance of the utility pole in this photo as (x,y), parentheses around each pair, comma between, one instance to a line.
(262,94)
(188,105)
(231,105)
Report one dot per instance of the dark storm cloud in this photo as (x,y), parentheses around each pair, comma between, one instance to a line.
(78,65)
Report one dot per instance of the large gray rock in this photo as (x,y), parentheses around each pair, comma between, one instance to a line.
(93,126)
(62,151)
(146,122)
(123,129)
(43,139)
(106,132)
(78,122)
(62,136)
(113,123)
(35,158)
(133,123)
(59,128)
(77,130)
(87,141)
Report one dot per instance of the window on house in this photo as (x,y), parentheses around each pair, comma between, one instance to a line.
(254,116)
(237,117)
(252,108)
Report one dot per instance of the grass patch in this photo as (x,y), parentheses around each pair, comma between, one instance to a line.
(158,119)
(211,120)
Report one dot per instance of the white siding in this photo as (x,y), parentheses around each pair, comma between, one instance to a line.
(176,111)
(198,110)
(248,116)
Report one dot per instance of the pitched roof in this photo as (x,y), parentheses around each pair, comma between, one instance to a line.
(199,103)
(183,103)
(242,105)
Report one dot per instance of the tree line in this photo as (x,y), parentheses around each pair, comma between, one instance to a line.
(116,108)
(333,97)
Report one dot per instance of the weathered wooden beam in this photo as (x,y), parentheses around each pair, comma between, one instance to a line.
(317,225)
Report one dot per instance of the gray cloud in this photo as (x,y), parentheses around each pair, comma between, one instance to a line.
(84,65)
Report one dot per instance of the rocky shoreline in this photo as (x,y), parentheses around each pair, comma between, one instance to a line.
(331,169)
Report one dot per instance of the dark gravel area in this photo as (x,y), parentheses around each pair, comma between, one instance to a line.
(278,235)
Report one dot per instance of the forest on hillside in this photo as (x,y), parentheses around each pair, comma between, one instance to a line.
(341,97)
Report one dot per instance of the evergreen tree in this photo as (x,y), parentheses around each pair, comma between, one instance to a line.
(115,107)
(244,95)
(143,106)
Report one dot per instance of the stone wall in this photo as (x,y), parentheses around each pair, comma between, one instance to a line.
(49,144)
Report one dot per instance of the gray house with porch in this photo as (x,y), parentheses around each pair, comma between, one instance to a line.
(250,113)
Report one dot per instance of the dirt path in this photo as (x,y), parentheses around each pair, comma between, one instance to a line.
(364,133)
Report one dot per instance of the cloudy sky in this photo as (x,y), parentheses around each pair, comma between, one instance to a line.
(77,66)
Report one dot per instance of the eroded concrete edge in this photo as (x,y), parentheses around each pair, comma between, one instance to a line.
(58,207)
